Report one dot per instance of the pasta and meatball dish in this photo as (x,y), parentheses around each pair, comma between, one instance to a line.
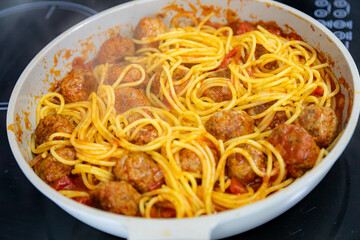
(187,119)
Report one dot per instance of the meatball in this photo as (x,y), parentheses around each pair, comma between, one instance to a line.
(279,118)
(52,124)
(229,124)
(117,197)
(115,49)
(260,50)
(178,74)
(238,166)
(149,27)
(77,85)
(218,94)
(296,146)
(132,75)
(146,134)
(155,86)
(140,170)
(127,98)
(321,123)
(49,169)
(190,162)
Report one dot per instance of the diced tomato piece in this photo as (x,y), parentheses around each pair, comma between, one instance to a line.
(162,212)
(318,92)
(168,213)
(83,200)
(236,187)
(64,183)
(245,27)
(228,57)
(153,213)
(79,184)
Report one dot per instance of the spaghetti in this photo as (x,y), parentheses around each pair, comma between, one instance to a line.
(196,73)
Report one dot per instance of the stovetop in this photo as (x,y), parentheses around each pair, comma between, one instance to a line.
(331,211)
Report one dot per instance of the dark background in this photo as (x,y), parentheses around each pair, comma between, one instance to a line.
(331,211)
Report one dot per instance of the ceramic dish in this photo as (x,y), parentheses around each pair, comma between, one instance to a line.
(84,38)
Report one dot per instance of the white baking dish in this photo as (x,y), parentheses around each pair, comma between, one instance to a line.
(34,81)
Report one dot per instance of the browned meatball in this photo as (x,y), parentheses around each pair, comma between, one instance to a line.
(296,146)
(257,110)
(279,118)
(117,197)
(49,169)
(190,162)
(178,74)
(259,51)
(115,49)
(132,75)
(127,98)
(239,167)
(229,124)
(146,134)
(52,124)
(78,85)
(149,27)
(155,86)
(140,170)
(218,94)
(321,123)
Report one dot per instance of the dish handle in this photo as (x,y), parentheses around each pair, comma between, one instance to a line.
(170,229)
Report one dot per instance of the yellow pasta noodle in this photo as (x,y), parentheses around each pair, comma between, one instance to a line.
(185,70)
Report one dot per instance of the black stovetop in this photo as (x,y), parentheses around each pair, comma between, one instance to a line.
(331,211)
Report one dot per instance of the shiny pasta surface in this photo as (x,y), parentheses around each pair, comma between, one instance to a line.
(182,121)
